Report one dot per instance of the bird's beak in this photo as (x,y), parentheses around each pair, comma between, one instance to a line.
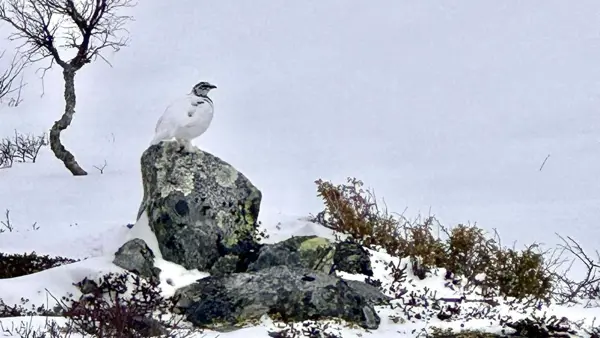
(212,86)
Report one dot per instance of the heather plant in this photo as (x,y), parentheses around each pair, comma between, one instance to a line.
(464,251)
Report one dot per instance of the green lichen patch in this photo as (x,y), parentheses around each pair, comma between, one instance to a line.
(314,243)
(226,177)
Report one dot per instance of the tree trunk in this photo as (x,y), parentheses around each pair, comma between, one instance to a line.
(59,150)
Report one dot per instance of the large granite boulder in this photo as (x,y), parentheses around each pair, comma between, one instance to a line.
(199,207)
(291,294)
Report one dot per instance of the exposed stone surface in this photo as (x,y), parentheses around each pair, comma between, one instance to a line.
(311,252)
(352,258)
(199,207)
(204,215)
(315,253)
(135,256)
(294,294)
(372,294)
(225,265)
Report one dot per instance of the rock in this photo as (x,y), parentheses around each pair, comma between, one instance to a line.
(292,294)
(224,265)
(87,286)
(135,256)
(199,207)
(148,327)
(352,258)
(315,253)
(311,252)
(372,294)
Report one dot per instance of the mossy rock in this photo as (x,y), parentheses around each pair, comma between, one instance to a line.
(311,252)
(199,207)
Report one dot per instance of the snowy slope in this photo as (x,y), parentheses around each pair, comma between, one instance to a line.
(449,108)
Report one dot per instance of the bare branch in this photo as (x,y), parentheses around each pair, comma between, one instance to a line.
(6,223)
(35,25)
(588,288)
(9,76)
(21,148)
(101,168)
(88,27)
(544,163)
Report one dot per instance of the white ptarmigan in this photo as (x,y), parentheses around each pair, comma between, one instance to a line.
(186,118)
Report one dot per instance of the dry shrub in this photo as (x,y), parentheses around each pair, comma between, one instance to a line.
(351,210)
(308,329)
(464,251)
(122,305)
(16,265)
(520,274)
(21,148)
(470,250)
(21,310)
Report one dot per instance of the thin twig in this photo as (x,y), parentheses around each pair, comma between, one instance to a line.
(543,163)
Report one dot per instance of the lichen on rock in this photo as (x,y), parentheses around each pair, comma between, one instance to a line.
(198,206)
(309,252)
(293,294)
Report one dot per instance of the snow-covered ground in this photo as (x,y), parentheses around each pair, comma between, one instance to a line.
(448,108)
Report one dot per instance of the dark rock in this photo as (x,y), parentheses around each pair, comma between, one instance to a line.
(352,258)
(135,256)
(199,207)
(311,252)
(87,286)
(292,294)
(149,327)
(418,268)
(372,294)
(224,265)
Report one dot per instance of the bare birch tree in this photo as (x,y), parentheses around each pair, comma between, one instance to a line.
(48,28)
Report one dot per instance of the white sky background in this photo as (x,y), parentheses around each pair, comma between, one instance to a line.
(451,107)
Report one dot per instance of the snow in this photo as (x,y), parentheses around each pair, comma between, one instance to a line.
(448,109)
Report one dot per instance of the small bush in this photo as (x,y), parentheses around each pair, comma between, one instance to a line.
(20,310)
(121,305)
(308,329)
(114,306)
(21,148)
(542,326)
(449,333)
(16,265)
(27,329)
(465,251)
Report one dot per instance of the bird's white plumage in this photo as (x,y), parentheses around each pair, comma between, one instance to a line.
(184,119)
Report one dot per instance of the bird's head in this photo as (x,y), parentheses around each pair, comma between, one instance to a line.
(202,88)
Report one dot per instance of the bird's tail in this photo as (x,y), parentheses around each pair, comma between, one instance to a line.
(157,139)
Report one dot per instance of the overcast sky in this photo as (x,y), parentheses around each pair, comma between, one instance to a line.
(450,106)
